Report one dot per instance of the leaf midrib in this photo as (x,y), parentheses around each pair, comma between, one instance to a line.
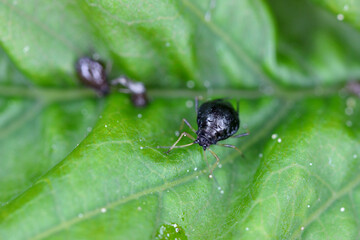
(49,95)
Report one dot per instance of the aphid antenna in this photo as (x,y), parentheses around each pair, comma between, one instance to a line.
(188,124)
(233,147)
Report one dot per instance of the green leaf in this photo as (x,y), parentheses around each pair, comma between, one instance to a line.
(74,166)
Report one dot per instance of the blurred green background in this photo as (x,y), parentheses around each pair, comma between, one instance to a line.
(76,166)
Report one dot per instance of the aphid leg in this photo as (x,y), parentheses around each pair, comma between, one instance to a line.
(196,104)
(241,135)
(233,147)
(187,123)
(207,163)
(174,145)
(217,159)
(211,175)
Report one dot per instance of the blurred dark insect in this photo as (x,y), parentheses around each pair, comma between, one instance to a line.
(136,90)
(354,88)
(92,74)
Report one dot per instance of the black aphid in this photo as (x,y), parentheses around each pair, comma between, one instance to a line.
(137,90)
(217,120)
(92,73)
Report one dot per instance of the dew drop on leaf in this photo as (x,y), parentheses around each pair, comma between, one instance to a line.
(189,104)
(171,231)
(190,84)
(340,17)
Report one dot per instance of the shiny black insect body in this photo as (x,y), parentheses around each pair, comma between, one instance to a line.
(92,73)
(217,120)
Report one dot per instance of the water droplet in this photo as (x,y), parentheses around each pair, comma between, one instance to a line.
(219,188)
(167,44)
(308,205)
(342,209)
(279,140)
(222,191)
(195,169)
(103,210)
(100,116)
(247,229)
(355,156)
(260,155)
(188,170)
(210,176)
(139,208)
(274,136)
(310,164)
(346,7)
(349,111)
(89,129)
(80,215)
(350,102)
(105,125)
(206,84)
(189,104)
(141,147)
(349,123)
(190,84)
(177,133)
(26,49)
(340,16)
(220,165)
(302,228)
(171,231)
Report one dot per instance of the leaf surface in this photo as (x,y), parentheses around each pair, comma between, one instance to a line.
(80,167)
